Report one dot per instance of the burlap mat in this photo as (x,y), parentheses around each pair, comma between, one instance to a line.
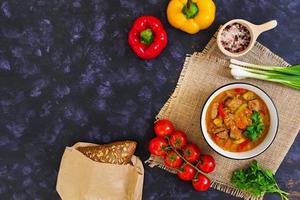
(202,73)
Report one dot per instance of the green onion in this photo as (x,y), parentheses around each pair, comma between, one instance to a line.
(289,76)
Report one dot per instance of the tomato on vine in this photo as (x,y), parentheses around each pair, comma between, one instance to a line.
(186,172)
(163,128)
(185,158)
(158,146)
(178,139)
(207,163)
(172,159)
(191,153)
(201,183)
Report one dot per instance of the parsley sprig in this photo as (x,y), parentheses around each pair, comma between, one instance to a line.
(256,128)
(257,181)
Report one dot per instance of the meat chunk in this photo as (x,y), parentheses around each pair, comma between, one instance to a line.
(229,120)
(226,110)
(217,130)
(235,133)
(234,103)
(214,110)
(254,105)
(223,134)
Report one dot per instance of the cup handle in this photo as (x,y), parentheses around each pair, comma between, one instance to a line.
(266,26)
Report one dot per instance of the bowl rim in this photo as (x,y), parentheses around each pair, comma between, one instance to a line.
(235,83)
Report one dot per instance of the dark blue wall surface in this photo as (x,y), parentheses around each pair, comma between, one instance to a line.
(68,75)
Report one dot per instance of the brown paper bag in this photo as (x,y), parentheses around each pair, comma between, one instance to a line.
(81,178)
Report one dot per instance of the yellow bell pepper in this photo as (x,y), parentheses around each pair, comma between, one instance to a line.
(191,16)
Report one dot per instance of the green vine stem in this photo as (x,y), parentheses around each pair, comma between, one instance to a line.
(187,162)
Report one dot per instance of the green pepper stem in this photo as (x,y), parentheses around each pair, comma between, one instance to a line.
(188,5)
(146,36)
(190,9)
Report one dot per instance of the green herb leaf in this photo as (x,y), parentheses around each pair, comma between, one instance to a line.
(255,116)
(256,128)
(257,181)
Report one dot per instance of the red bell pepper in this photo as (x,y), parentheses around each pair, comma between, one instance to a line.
(243,145)
(147,37)
(221,110)
(240,90)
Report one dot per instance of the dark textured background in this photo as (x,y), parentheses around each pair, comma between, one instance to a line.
(68,75)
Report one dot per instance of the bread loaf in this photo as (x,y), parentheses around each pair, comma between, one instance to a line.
(114,153)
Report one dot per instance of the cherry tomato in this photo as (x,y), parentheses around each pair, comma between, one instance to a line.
(201,183)
(172,159)
(207,163)
(163,127)
(157,146)
(186,172)
(178,139)
(191,153)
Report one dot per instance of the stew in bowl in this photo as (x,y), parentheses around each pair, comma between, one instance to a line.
(239,120)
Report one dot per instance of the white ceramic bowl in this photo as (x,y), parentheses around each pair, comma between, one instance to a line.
(274,122)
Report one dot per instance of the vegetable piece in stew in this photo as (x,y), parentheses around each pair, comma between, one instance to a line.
(237,120)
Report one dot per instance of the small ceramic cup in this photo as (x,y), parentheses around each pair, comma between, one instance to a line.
(255,31)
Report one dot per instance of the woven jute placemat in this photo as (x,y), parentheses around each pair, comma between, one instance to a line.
(202,73)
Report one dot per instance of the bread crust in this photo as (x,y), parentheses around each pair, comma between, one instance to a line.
(115,153)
